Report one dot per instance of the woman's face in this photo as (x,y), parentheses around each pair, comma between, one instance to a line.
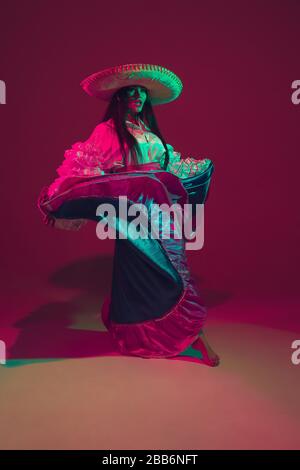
(136,97)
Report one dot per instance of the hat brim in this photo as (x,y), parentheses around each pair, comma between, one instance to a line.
(162,84)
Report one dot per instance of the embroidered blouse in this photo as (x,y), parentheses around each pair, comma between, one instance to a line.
(101,154)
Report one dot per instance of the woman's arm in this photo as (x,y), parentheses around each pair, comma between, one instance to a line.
(184,167)
(91,158)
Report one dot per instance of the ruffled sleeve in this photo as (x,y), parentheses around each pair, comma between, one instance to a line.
(93,157)
(82,159)
(184,167)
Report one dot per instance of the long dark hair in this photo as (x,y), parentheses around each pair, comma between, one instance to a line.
(116,110)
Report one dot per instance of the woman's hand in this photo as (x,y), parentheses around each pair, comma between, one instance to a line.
(70,224)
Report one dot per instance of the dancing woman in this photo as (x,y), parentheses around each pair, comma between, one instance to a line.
(154,308)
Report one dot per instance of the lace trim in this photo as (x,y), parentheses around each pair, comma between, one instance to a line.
(184,167)
(82,159)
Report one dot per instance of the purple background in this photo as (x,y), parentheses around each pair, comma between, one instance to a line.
(237,61)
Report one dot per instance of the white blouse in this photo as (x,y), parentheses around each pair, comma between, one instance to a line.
(101,152)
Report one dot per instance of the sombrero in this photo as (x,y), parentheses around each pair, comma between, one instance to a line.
(163,85)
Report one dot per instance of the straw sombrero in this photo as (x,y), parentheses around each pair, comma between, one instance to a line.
(162,84)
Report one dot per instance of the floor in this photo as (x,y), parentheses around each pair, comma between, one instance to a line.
(64,386)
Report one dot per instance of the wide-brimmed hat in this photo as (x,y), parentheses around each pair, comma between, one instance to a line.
(162,84)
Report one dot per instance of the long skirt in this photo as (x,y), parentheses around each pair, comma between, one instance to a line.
(154,308)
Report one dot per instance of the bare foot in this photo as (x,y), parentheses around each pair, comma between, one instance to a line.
(209,356)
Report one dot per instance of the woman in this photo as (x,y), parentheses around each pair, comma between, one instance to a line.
(154,309)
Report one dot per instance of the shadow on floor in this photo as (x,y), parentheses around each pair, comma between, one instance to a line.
(72,329)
